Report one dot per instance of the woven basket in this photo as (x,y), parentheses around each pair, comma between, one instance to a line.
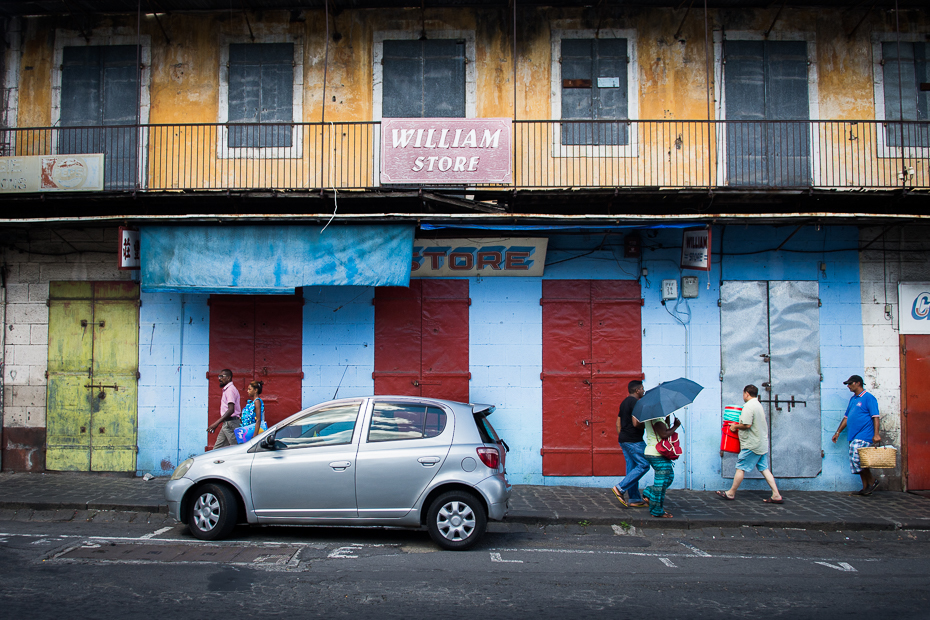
(879,457)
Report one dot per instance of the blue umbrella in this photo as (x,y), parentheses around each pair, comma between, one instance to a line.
(666,398)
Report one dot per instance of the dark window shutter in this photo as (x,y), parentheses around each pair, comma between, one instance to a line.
(904,69)
(100,88)
(767,81)
(261,90)
(584,61)
(423,79)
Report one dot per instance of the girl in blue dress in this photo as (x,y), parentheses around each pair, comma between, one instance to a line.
(255,403)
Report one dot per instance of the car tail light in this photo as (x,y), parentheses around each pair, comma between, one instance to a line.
(490,457)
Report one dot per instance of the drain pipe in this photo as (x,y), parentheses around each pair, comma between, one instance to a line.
(177,460)
(2,360)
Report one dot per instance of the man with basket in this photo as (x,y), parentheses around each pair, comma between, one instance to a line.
(861,421)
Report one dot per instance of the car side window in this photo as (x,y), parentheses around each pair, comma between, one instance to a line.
(324,427)
(395,421)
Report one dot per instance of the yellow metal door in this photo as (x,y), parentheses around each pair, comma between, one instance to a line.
(92,384)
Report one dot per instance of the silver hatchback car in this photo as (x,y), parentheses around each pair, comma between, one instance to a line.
(378,460)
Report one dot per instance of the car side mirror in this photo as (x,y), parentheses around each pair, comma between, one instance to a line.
(268,442)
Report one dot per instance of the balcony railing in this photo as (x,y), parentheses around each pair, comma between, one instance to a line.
(740,155)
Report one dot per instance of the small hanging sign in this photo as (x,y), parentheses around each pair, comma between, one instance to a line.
(130,256)
(695,249)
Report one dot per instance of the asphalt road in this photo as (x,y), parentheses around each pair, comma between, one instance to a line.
(156,570)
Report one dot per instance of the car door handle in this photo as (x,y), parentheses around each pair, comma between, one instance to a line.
(428,461)
(340,465)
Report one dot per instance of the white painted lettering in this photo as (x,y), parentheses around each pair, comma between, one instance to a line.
(418,164)
(473,164)
(459,164)
(444,164)
(442,139)
(429,139)
(402,137)
(471,139)
(458,134)
(431,160)
(486,141)
(419,137)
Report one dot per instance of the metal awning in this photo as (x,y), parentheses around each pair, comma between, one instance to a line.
(273,259)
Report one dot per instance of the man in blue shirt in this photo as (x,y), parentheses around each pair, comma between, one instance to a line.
(861,420)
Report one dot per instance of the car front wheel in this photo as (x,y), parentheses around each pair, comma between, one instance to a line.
(456,520)
(213,512)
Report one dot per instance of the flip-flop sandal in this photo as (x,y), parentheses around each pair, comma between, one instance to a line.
(666,515)
(871,488)
(619,497)
(639,505)
(723,495)
(769,500)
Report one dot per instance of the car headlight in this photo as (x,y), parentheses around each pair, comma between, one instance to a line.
(182,469)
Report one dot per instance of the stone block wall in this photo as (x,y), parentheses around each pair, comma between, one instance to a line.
(32,257)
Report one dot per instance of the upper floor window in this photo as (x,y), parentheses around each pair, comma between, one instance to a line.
(766,81)
(260,96)
(424,79)
(905,92)
(261,90)
(432,77)
(98,101)
(594,89)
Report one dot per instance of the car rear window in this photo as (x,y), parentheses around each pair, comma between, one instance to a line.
(394,421)
(487,432)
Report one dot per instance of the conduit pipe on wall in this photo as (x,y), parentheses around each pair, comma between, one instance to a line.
(177,459)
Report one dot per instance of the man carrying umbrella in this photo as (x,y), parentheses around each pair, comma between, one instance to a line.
(653,409)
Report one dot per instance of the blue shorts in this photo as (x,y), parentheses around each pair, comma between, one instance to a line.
(747,460)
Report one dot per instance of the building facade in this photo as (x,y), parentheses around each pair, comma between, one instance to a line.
(770,166)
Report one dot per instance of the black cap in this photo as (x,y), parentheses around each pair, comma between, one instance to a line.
(854,379)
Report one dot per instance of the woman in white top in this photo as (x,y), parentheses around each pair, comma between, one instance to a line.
(656,431)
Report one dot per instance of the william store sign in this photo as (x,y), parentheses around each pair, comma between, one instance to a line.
(443,258)
(444,151)
(914,307)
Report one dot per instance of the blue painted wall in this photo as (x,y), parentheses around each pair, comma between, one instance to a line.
(174,355)
(505,327)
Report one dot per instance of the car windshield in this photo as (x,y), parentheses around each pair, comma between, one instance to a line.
(330,426)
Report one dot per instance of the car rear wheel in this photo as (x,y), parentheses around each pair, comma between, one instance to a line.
(213,512)
(456,520)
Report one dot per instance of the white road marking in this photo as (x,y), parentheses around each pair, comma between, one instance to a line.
(668,562)
(840,566)
(696,551)
(344,552)
(41,541)
(496,557)
(157,533)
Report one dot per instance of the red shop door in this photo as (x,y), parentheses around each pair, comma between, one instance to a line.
(917,411)
(592,347)
(421,339)
(258,337)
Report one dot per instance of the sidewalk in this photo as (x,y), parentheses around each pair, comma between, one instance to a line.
(540,505)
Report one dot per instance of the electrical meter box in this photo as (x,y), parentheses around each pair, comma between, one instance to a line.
(689,287)
(669,289)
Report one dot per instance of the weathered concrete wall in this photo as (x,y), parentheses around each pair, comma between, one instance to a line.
(672,70)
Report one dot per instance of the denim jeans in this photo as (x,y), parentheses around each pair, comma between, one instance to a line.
(636,468)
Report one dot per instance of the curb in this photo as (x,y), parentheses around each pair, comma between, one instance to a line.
(686,523)
(91,505)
